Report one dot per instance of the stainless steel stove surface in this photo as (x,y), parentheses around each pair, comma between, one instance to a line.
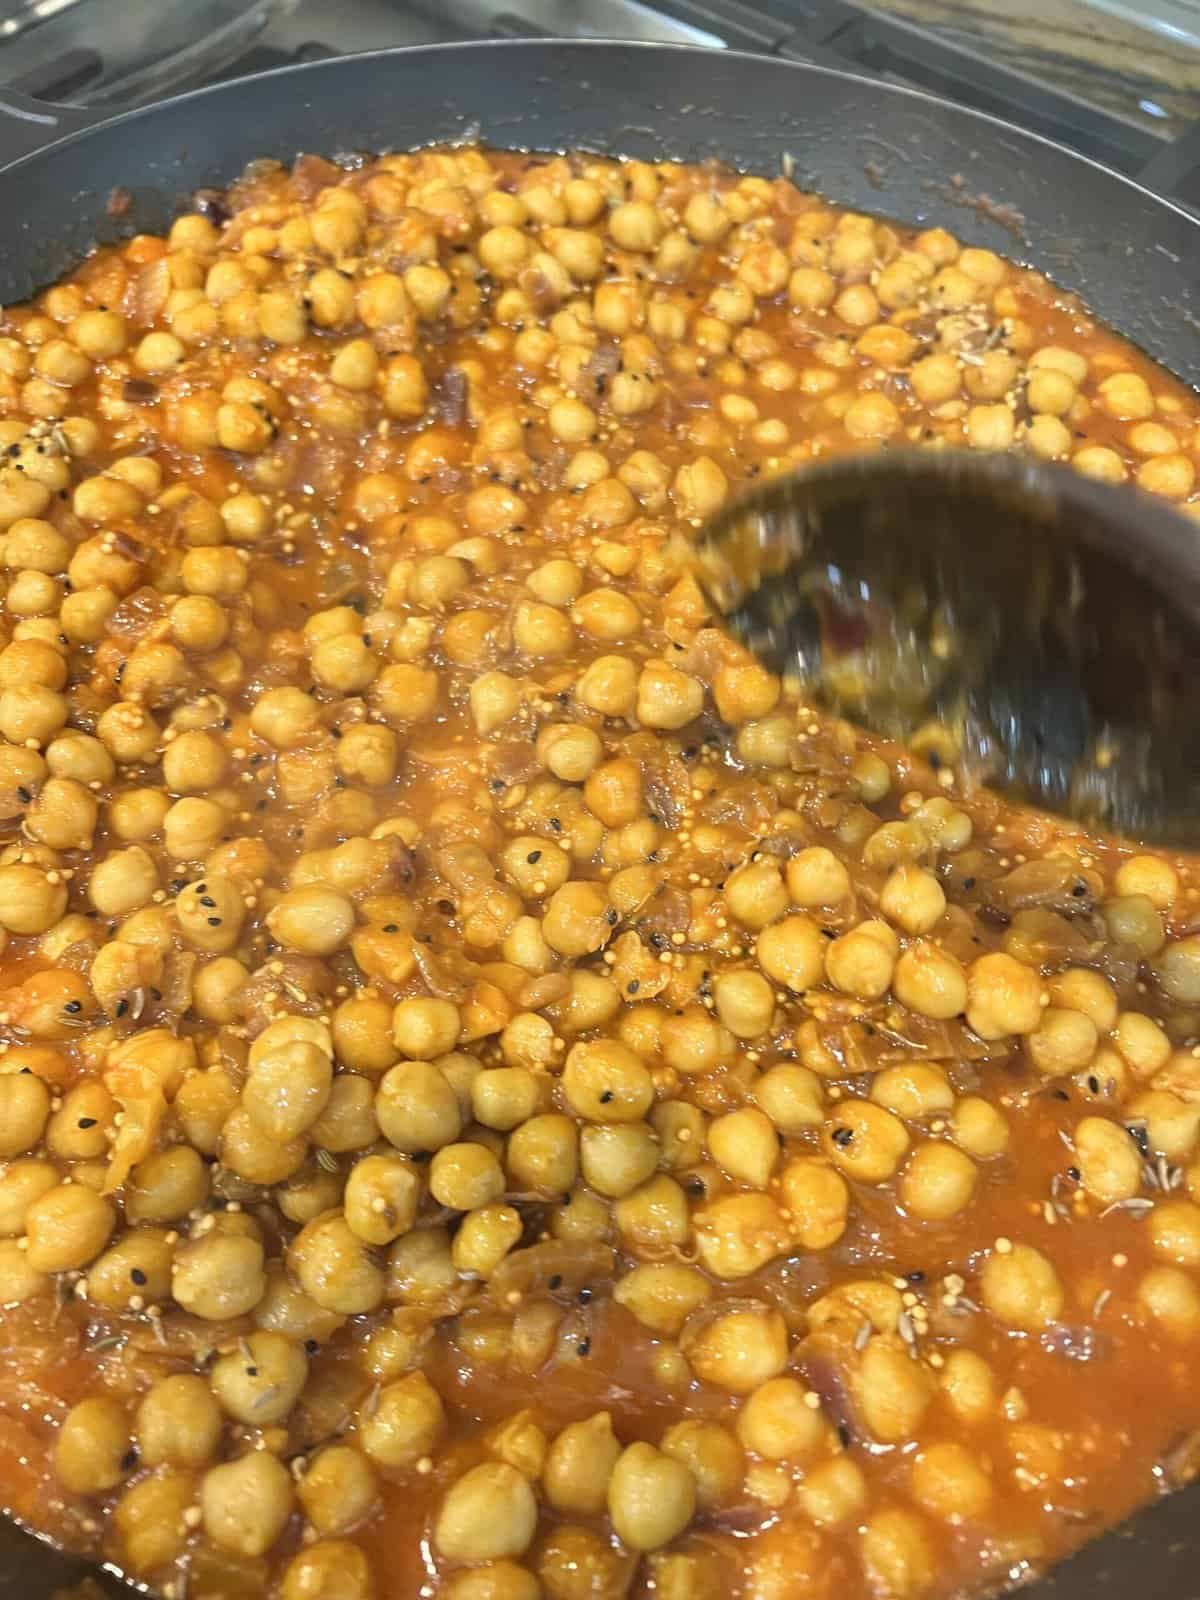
(1125,92)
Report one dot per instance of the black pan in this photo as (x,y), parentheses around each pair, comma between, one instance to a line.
(69,179)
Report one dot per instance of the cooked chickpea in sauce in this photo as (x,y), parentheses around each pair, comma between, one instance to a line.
(500,1099)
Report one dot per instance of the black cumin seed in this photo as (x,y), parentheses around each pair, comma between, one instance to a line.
(606,1096)
(74,1007)
(842,1137)
(585,1294)
(844,1435)
(611,917)
(87,1122)
(138,1276)
(534,857)
(633,986)
(252,1372)
(23,794)
(968,883)
(122,1007)
(584,1347)
(916,1276)
(129,1460)
(311,1346)
(207,900)
(391,927)
(214,922)
(556,824)
(556,1281)
(1137,1132)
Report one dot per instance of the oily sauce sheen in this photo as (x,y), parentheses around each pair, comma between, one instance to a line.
(499,1099)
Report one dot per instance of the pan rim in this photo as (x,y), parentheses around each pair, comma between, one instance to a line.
(300,71)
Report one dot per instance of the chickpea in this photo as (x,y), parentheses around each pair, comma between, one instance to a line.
(913,899)
(505,1580)
(1021,1288)
(609,685)
(338,1489)
(1003,997)
(1174,1227)
(463,1176)
(246,1503)
(260,1381)
(616,1157)
(738,1234)
(333,1568)
(739,1350)
(777,1423)
(149,1517)
(979,1128)
(1177,969)
(285,718)
(864,1141)
(417,1108)
(938,1181)
(817,1201)
(662,1296)
(815,877)
(219,1276)
(651,1497)
(862,961)
(288,1089)
(897,1553)
(968,1385)
(1064,1041)
(312,920)
(166,1186)
(666,697)
(423,1028)
(604,1081)
(406,1423)
(24,1109)
(505,1097)
(916,1091)
(67,1227)
(1170,1298)
(32,900)
(1080,989)
(579,1465)
(892,1394)
(178,1423)
(332,1266)
(21,1183)
(792,952)
(791,1097)
(745,1003)
(833,1493)
(746,1145)
(381,1198)
(90,1453)
(930,981)
(488,1514)
(542,1154)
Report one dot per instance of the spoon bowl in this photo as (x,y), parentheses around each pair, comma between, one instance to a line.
(1035,628)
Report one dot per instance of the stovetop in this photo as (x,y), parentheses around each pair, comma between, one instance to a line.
(119,52)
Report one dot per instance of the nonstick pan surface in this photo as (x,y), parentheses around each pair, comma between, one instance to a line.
(68,181)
